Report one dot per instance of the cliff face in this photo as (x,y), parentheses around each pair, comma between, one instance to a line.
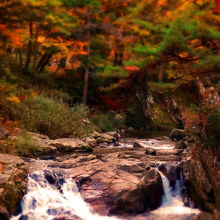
(201,169)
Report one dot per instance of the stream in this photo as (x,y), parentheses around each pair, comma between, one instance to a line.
(72,187)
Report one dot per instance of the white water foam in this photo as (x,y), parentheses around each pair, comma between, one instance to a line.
(44,201)
(172,203)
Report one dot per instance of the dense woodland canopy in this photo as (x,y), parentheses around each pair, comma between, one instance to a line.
(155,62)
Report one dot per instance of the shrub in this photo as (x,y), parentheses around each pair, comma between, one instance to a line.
(213,125)
(21,145)
(80,120)
(53,118)
(44,115)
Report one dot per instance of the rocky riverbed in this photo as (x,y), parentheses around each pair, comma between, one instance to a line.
(115,177)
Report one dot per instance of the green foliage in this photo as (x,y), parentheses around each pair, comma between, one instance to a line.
(213,126)
(161,118)
(22,145)
(53,118)
(135,116)
(114,71)
(108,121)
(80,120)
(164,87)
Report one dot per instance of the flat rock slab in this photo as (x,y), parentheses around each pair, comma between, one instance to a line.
(9,164)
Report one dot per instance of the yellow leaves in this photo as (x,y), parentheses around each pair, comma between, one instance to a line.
(183,54)
(14,99)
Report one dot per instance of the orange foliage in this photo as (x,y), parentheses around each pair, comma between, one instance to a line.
(11,126)
(131,68)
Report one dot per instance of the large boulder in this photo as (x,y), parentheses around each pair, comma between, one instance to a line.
(113,184)
(177,134)
(13,175)
(146,196)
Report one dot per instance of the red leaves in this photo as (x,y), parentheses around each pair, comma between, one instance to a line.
(116,104)
(2,166)
(217,10)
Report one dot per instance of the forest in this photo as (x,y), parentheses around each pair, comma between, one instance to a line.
(70,69)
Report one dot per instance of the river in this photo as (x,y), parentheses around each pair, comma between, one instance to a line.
(54,192)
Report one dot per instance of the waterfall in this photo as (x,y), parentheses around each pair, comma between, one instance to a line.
(45,201)
(167,199)
(172,201)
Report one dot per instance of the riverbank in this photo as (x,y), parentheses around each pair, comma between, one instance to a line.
(115,176)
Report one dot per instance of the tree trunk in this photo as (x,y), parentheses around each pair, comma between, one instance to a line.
(44,62)
(45,59)
(29,49)
(20,57)
(160,74)
(86,74)
(85,87)
(119,54)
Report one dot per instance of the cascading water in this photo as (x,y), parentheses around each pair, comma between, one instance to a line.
(172,202)
(45,201)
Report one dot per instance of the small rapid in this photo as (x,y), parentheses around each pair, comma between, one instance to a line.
(46,201)
(54,190)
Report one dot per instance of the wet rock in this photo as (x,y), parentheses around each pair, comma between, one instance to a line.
(50,177)
(162,168)
(150,151)
(23,217)
(116,144)
(180,145)
(137,145)
(4,215)
(177,134)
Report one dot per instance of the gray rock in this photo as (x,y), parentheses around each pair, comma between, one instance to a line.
(177,134)
(137,145)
